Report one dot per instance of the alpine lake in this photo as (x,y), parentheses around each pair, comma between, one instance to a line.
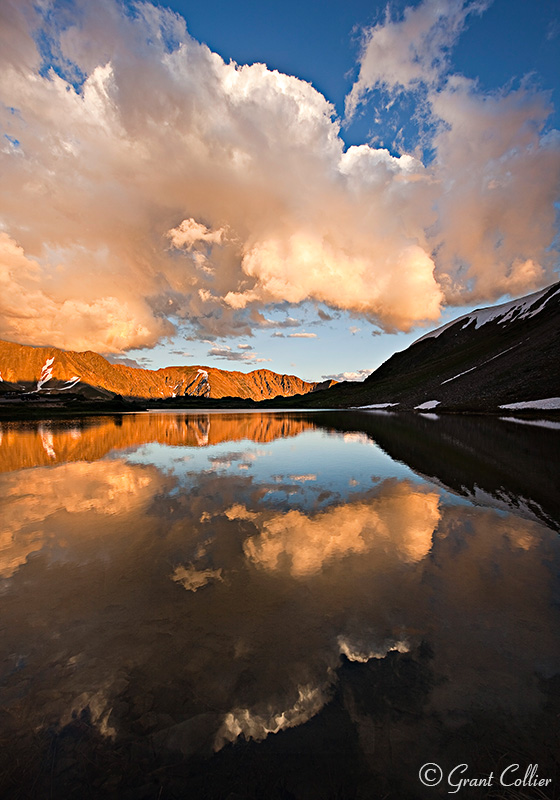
(279,606)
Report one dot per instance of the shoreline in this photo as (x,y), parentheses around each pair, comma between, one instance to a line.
(15,412)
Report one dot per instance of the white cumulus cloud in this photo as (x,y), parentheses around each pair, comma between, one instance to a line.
(401,53)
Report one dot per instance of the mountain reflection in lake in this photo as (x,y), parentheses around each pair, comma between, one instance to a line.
(276,606)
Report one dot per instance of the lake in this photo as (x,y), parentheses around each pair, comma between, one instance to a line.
(272,605)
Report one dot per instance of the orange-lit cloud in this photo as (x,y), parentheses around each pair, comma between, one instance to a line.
(403,518)
(34,310)
(500,178)
(87,491)
(170,186)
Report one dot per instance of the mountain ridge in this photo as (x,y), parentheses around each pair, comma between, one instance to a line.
(25,369)
(481,361)
(492,359)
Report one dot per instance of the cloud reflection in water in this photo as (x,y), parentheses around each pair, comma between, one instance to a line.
(97,555)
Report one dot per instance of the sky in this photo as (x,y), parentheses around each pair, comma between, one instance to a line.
(300,186)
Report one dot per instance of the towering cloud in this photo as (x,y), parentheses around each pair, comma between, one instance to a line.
(496,168)
(146,183)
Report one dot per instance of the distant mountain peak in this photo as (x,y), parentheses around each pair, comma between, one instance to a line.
(42,371)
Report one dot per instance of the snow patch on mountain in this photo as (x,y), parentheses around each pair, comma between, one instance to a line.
(547,402)
(71,383)
(522,308)
(204,382)
(476,366)
(454,378)
(427,405)
(46,374)
(377,405)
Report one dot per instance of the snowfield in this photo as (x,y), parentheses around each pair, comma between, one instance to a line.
(427,405)
(378,405)
(548,402)
(515,309)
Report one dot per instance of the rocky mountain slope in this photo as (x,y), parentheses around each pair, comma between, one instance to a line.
(46,370)
(484,360)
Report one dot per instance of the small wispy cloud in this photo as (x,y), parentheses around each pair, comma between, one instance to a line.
(360,375)
(302,335)
(227,354)
(266,322)
(553,30)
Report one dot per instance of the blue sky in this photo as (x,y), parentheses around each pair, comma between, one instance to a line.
(319,42)
(181,211)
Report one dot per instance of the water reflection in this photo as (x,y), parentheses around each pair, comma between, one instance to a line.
(58,441)
(399,519)
(156,616)
(75,499)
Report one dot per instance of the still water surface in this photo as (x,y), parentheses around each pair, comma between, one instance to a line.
(310,605)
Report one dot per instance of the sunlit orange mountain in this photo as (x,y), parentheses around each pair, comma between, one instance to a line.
(43,370)
(55,443)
